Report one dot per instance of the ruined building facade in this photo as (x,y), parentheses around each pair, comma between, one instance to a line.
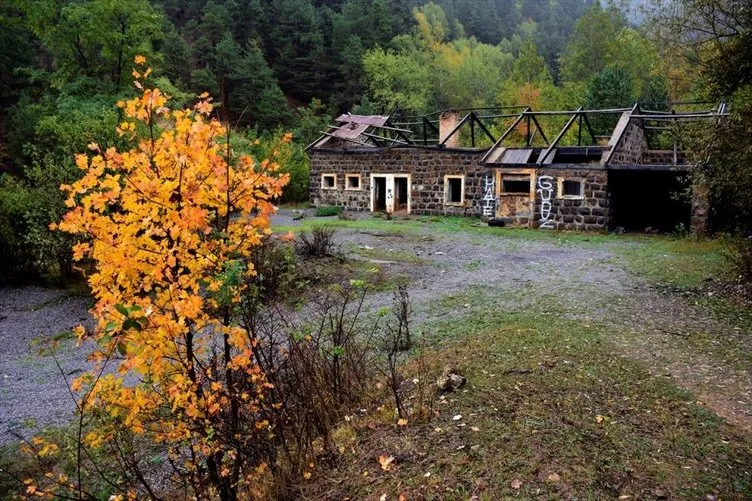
(628,178)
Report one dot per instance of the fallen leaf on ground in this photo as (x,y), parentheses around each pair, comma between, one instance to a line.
(402,422)
(386,462)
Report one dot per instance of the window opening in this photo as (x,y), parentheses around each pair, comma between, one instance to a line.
(353,182)
(515,185)
(571,188)
(329,181)
(454,193)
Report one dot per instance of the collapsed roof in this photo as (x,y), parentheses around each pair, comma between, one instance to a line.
(360,130)
(605,136)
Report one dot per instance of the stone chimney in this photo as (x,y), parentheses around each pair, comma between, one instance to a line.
(447,122)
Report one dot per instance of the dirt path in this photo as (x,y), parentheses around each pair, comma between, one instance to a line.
(681,341)
(667,332)
(670,335)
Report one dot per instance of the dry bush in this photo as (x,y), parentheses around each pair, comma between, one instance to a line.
(319,363)
(395,340)
(318,243)
(274,264)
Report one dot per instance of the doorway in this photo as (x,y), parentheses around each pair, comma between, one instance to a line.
(515,189)
(401,195)
(649,200)
(390,193)
(379,194)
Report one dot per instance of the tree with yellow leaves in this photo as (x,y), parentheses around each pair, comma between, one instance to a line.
(169,226)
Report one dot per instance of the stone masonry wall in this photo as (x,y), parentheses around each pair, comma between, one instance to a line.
(589,213)
(698,224)
(662,157)
(630,148)
(427,168)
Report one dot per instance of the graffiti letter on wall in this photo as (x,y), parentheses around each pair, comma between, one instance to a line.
(489,200)
(546,190)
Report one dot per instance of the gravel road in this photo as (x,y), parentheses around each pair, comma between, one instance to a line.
(586,278)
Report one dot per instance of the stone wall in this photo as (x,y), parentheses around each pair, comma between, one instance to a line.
(629,149)
(662,157)
(588,213)
(427,167)
(698,221)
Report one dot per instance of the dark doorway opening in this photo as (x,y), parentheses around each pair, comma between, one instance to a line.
(649,200)
(400,188)
(379,194)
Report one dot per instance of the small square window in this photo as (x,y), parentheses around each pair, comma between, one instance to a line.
(571,188)
(329,181)
(454,190)
(352,182)
(515,185)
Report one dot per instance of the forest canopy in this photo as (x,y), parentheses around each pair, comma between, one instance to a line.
(290,65)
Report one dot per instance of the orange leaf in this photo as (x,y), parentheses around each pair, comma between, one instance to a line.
(386,462)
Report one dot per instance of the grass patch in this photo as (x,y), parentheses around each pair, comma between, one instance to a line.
(473,265)
(46,345)
(473,230)
(675,262)
(550,412)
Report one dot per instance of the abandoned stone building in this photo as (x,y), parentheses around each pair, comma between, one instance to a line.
(604,169)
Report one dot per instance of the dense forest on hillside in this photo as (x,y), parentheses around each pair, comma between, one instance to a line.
(281,65)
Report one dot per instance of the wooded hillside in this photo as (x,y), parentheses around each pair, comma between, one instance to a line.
(274,66)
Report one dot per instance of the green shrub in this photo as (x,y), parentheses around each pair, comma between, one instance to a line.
(328,210)
(28,248)
(292,159)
